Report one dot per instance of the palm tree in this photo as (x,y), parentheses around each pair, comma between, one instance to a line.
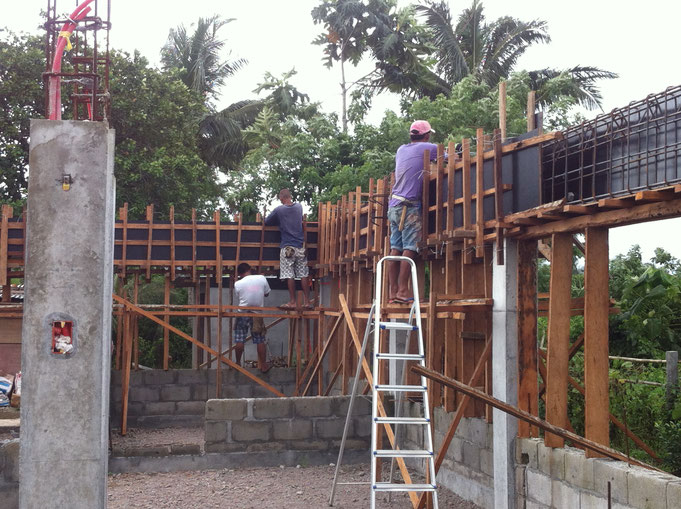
(487,51)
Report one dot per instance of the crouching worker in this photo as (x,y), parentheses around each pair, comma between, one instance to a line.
(251,290)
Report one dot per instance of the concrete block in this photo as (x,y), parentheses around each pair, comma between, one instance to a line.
(520,484)
(136,378)
(487,462)
(479,432)
(318,406)
(330,428)
(579,471)
(538,487)
(551,461)
(362,426)
(616,473)
(159,377)
(158,450)
(590,501)
(287,389)
(462,430)
(9,495)
(281,376)
(674,494)
(175,393)
(342,403)
(192,376)
(272,408)
(181,449)
(9,454)
(258,391)
(191,407)
(237,391)
(226,409)
(527,452)
(647,489)
(471,455)
(266,447)
(456,450)
(353,443)
(310,445)
(250,431)
(216,431)
(144,394)
(136,408)
(564,495)
(297,429)
(225,446)
(442,419)
(200,392)
(415,435)
(159,408)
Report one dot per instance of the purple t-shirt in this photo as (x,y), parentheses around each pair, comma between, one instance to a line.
(409,171)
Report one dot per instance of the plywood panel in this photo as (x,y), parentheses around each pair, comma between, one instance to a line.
(10,330)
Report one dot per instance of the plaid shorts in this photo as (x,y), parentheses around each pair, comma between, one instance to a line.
(296,266)
(242,326)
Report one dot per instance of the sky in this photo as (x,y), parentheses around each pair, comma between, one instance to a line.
(634,39)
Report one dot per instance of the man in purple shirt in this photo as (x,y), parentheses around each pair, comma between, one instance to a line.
(292,259)
(404,208)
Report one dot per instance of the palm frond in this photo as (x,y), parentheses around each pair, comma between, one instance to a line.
(579,85)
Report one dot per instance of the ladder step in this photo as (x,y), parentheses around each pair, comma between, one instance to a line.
(386,486)
(397,326)
(401,388)
(401,356)
(399,453)
(401,420)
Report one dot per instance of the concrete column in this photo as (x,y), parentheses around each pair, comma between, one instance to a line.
(505,373)
(69,277)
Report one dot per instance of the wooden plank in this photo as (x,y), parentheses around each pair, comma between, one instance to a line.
(479,192)
(166,317)
(502,109)
(150,232)
(546,426)
(218,329)
(596,315)
(135,326)
(320,358)
(123,214)
(528,394)
(194,245)
(498,184)
(439,182)
(7,213)
(172,241)
(425,197)
(466,181)
(358,206)
(558,335)
(183,335)
(125,375)
(381,410)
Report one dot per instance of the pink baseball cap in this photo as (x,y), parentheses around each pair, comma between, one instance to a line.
(420,127)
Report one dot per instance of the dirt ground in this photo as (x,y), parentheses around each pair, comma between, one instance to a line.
(256,488)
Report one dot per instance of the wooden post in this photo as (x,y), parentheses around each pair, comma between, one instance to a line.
(218,331)
(528,394)
(466,184)
(479,194)
(208,328)
(135,327)
(166,317)
(531,106)
(502,109)
(150,230)
(596,314)
(7,213)
(559,334)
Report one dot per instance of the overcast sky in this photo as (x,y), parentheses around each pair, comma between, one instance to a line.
(637,40)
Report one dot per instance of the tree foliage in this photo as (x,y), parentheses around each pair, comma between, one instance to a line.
(22,61)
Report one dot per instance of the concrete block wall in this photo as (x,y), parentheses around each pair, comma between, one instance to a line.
(468,468)
(312,424)
(9,474)
(170,398)
(561,478)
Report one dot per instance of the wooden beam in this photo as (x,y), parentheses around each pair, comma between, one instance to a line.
(610,218)
(558,334)
(7,213)
(528,393)
(596,314)
(466,183)
(479,194)
(531,106)
(166,317)
(540,423)
(502,109)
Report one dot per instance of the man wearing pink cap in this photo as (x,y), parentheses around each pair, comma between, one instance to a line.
(404,208)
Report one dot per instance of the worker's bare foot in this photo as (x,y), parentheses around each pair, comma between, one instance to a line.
(266,367)
(308,305)
(288,305)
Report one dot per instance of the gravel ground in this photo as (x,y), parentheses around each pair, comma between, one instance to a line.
(256,488)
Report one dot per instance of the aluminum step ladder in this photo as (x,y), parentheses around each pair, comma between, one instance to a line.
(375,326)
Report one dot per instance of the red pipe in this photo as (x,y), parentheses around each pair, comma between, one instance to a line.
(54,82)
